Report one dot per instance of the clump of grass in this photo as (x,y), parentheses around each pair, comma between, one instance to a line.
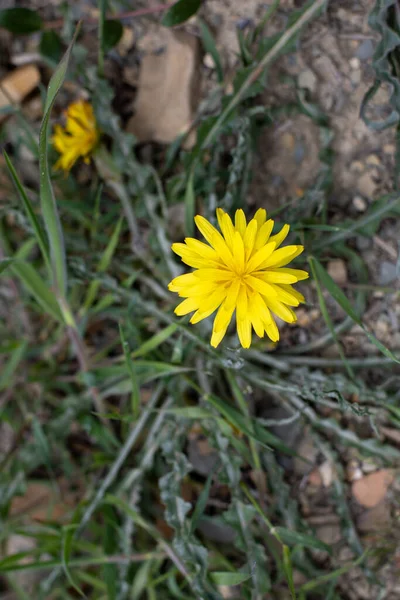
(103,385)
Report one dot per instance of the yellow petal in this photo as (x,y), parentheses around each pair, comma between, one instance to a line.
(240,222)
(272,331)
(217,337)
(259,257)
(232,294)
(263,234)
(282,256)
(202,249)
(223,317)
(275,276)
(298,273)
(226,227)
(281,310)
(244,332)
(187,306)
(207,230)
(182,281)
(242,304)
(238,252)
(250,238)
(214,274)
(260,286)
(287,296)
(255,316)
(260,217)
(290,290)
(281,236)
(191,258)
(209,305)
(203,288)
(257,306)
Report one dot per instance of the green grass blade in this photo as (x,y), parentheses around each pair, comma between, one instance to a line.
(135,395)
(35,285)
(288,569)
(102,19)
(156,340)
(37,228)
(246,425)
(294,538)
(210,47)
(48,201)
(5,263)
(227,578)
(202,501)
(341,299)
(190,205)
(68,532)
(110,249)
(11,365)
(103,265)
(327,318)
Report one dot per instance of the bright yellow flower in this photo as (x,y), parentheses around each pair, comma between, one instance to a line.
(241,269)
(79,137)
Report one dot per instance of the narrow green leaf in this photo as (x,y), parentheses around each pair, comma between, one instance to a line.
(102,20)
(48,201)
(36,286)
(10,367)
(20,20)
(190,412)
(324,579)
(4,263)
(228,578)
(327,318)
(180,12)
(246,425)
(135,395)
(110,249)
(42,442)
(155,341)
(288,568)
(113,31)
(190,205)
(102,267)
(202,501)
(343,301)
(210,47)
(37,228)
(293,538)
(68,532)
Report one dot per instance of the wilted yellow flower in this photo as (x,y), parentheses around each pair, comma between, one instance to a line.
(242,269)
(79,137)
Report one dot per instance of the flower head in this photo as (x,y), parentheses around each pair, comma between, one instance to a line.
(242,269)
(78,138)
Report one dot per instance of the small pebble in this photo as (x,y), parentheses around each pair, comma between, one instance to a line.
(366,185)
(307,80)
(387,272)
(354,63)
(338,271)
(208,61)
(373,159)
(389,148)
(365,50)
(360,203)
(357,166)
